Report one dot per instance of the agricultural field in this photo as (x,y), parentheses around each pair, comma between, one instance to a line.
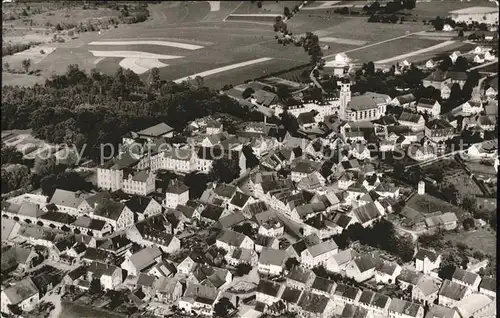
(185,39)
(268,7)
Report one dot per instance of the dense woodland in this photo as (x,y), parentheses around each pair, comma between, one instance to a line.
(78,108)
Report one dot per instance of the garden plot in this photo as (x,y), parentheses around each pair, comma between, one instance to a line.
(25,143)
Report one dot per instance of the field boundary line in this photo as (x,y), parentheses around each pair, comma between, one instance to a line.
(224,20)
(224,68)
(417,52)
(373,44)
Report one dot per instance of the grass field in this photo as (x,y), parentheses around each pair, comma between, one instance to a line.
(247,7)
(223,43)
(481,239)
(391,49)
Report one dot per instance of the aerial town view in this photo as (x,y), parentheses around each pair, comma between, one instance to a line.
(309,159)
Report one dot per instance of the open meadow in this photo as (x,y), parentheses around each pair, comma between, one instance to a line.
(186,39)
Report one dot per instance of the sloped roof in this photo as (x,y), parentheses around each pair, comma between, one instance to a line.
(323,284)
(109,209)
(437,76)
(232,219)
(404,307)
(423,253)
(299,274)
(353,311)
(344,256)
(322,248)
(410,276)
(313,303)
(271,256)
(268,287)
(347,291)
(291,295)
(156,130)
(386,267)
(138,203)
(366,212)
(20,291)
(70,199)
(438,311)
(177,187)
(407,98)
(488,283)
(452,290)
(364,262)
(231,238)
(465,276)
(473,304)
(410,117)
(239,199)
(145,257)
(429,285)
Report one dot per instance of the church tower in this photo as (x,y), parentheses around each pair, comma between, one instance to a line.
(345,98)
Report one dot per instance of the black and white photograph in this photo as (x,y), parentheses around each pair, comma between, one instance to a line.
(249,159)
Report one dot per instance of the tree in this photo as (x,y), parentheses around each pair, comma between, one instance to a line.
(469,203)
(461,64)
(445,64)
(251,159)
(286,12)
(409,4)
(245,228)
(154,80)
(291,263)
(259,4)
(15,176)
(243,269)
(438,24)
(197,184)
(95,286)
(10,155)
(6,66)
(44,167)
(461,34)
(455,92)
(26,63)
(369,68)
(225,170)
(247,92)
(222,307)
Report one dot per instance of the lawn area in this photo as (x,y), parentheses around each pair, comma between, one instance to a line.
(463,183)
(481,239)
(247,7)
(432,9)
(391,49)
(426,204)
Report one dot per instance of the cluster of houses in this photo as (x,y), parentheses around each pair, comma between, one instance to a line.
(162,245)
